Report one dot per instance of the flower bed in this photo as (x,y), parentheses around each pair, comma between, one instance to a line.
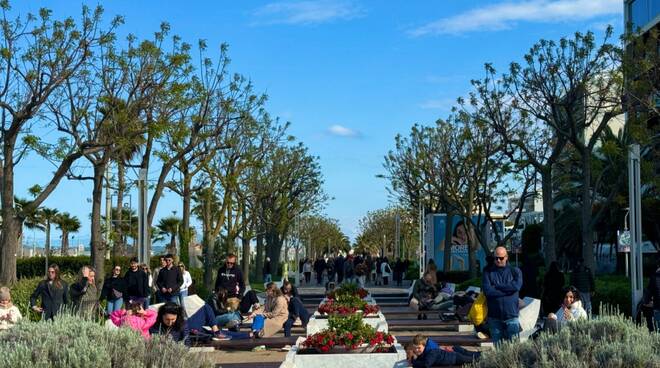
(351,333)
(348,289)
(347,305)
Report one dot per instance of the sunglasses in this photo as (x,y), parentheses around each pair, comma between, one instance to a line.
(231,263)
(500,258)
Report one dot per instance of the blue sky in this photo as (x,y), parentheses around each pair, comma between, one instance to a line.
(348,74)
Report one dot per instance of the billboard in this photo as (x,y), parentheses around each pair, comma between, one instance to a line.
(435,241)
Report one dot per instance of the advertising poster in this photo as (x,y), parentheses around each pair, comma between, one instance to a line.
(459,243)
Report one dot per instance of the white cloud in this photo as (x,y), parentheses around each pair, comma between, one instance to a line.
(505,15)
(306,12)
(438,104)
(342,131)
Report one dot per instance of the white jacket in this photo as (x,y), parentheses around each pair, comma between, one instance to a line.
(383,269)
(187,281)
(14,315)
(577,312)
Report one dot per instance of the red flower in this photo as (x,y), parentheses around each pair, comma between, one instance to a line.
(325,348)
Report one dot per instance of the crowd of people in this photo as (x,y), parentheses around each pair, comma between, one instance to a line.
(128,299)
(503,291)
(362,269)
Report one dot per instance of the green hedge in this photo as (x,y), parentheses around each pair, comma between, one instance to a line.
(607,341)
(69,341)
(612,290)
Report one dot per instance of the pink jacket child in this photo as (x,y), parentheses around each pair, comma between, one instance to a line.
(136,318)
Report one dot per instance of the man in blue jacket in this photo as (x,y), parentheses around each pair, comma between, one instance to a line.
(423,352)
(501,284)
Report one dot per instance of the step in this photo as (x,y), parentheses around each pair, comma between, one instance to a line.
(249,365)
(462,339)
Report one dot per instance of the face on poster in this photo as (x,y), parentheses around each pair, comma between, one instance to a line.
(459,243)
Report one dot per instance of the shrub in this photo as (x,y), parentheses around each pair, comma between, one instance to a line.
(612,290)
(69,341)
(609,341)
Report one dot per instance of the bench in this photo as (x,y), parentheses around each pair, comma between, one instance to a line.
(249,344)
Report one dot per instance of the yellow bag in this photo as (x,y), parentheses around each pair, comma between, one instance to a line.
(479,310)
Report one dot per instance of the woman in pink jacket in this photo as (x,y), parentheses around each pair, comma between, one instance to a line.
(135,317)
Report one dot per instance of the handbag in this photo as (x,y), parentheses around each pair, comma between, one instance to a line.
(258,322)
(117,294)
(479,310)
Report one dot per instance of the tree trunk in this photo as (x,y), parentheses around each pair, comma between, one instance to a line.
(65,243)
(47,246)
(549,246)
(259,262)
(11,224)
(97,244)
(446,261)
(209,249)
(473,244)
(187,256)
(587,230)
(119,248)
(246,259)
(273,250)
(245,240)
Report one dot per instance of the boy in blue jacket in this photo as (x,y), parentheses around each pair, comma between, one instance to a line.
(423,352)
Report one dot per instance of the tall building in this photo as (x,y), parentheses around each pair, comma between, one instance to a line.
(641,15)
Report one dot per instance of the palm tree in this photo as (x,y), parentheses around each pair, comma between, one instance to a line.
(67,224)
(47,217)
(169,226)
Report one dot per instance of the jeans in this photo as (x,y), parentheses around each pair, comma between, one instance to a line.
(296,310)
(182,294)
(503,329)
(223,319)
(174,298)
(114,305)
(361,281)
(268,277)
(656,319)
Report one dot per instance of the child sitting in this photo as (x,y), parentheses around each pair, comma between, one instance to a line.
(424,352)
(9,313)
(135,317)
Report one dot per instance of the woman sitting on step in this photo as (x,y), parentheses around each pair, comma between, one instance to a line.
(570,310)
(270,320)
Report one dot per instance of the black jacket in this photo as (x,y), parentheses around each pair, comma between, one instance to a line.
(113,283)
(232,280)
(319,266)
(177,335)
(170,279)
(583,280)
(136,284)
(267,268)
(52,298)
(654,290)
